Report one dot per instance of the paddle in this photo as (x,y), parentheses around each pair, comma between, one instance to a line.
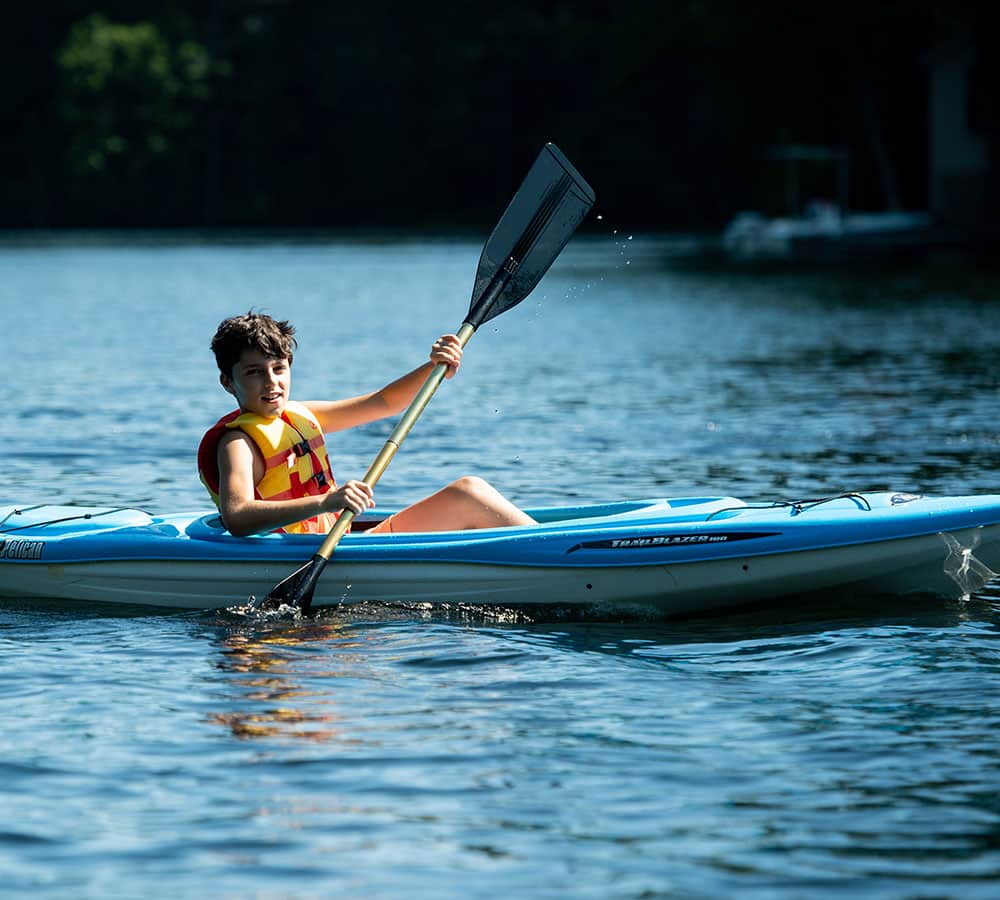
(547,208)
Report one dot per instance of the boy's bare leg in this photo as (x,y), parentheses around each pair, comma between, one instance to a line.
(467,503)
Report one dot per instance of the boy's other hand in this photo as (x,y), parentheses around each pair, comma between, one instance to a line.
(353,495)
(448,350)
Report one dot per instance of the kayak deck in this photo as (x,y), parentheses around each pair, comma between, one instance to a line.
(669,555)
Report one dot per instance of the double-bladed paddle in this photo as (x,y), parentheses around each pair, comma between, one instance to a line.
(549,205)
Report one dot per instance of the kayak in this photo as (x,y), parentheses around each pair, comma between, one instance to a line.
(669,556)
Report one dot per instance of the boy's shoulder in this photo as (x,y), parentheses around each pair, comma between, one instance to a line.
(236,451)
(233,434)
(235,439)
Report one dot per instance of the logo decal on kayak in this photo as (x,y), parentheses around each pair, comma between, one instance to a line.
(644,542)
(15,549)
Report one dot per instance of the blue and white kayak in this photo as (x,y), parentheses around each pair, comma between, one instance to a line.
(669,556)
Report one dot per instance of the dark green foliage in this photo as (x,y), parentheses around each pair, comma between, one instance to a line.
(334,114)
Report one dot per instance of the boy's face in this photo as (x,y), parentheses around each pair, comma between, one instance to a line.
(260,383)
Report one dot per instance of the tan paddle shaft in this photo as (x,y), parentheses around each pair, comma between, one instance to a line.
(392,444)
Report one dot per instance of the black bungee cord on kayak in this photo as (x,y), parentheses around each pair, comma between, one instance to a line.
(797,506)
(27,509)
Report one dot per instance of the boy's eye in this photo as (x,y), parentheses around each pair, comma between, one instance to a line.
(256,371)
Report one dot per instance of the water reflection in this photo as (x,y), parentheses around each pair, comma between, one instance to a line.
(274,664)
(267,669)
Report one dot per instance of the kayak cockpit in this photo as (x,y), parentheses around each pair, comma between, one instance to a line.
(686,509)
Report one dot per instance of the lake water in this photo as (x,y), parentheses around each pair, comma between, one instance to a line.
(823,751)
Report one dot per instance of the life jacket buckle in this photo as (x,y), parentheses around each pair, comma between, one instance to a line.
(320,479)
(301,448)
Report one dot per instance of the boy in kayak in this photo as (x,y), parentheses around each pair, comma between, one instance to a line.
(266,465)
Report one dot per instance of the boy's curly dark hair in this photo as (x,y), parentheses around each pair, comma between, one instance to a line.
(253,331)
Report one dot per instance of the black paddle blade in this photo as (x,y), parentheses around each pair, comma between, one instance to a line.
(297,589)
(551,202)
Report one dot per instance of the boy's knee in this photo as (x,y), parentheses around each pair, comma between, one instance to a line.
(471,485)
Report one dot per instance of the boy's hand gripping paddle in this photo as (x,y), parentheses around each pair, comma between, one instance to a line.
(549,205)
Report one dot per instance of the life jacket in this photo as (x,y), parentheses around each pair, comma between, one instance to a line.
(295,459)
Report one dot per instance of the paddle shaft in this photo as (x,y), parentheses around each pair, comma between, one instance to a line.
(545,211)
(389,448)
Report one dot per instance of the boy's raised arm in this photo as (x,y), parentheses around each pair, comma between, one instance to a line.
(339,415)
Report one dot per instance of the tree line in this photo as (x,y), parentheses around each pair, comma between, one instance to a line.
(290,113)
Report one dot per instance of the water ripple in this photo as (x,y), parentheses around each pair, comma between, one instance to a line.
(847,747)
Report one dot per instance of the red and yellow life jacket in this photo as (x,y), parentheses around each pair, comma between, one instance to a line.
(295,459)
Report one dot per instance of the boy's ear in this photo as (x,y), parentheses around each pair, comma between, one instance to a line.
(226,382)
